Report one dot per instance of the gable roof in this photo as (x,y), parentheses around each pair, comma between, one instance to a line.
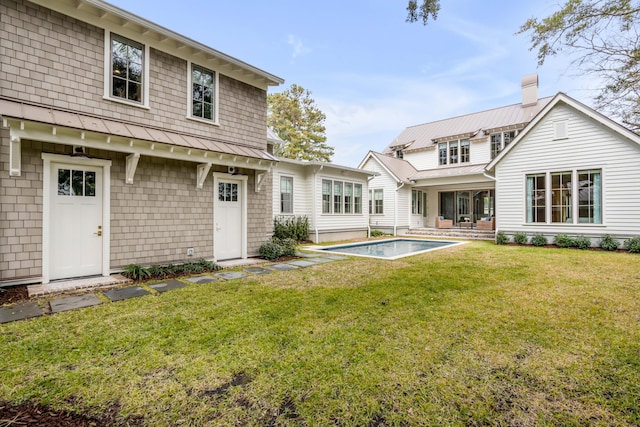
(467,126)
(401,170)
(562,98)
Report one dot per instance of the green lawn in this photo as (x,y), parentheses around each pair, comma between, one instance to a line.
(472,335)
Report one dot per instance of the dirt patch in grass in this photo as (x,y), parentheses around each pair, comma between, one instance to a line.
(27,414)
(13,295)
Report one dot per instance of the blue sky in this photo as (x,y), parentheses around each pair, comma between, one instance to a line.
(368,70)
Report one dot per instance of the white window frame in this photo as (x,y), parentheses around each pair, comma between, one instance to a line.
(216,92)
(341,202)
(108,70)
(373,198)
(449,158)
(289,177)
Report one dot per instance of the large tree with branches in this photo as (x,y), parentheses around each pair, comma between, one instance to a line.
(294,116)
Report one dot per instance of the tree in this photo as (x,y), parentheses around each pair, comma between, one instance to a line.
(294,116)
(428,8)
(604,38)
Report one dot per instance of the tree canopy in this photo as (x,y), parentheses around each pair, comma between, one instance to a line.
(603,37)
(427,9)
(296,119)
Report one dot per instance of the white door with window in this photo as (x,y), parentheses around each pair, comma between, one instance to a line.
(76,231)
(228,236)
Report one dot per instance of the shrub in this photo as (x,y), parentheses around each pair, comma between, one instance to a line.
(209,265)
(288,247)
(564,241)
(633,245)
(538,240)
(608,243)
(270,251)
(377,233)
(582,242)
(291,227)
(501,238)
(136,272)
(159,271)
(520,238)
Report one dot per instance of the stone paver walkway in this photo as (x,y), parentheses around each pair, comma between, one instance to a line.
(64,303)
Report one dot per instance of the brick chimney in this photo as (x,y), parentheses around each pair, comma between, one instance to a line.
(529,90)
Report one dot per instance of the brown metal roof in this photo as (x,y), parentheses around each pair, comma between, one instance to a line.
(444,172)
(402,169)
(422,136)
(18,110)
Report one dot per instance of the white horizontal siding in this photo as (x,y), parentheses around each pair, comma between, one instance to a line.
(341,221)
(479,153)
(387,183)
(301,189)
(589,146)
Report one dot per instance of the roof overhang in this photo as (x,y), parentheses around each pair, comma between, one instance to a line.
(107,16)
(322,165)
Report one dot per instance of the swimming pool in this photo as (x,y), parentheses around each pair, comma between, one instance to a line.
(388,249)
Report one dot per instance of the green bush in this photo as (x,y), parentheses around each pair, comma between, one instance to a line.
(520,238)
(633,245)
(209,265)
(564,241)
(270,250)
(377,233)
(160,271)
(291,227)
(288,247)
(538,240)
(582,242)
(136,272)
(501,238)
(608,243)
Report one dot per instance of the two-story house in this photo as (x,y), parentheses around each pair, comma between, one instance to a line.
(124,142)
(543,166)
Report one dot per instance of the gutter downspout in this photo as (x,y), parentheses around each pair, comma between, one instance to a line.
(313,194)
(395,209)
(369,216)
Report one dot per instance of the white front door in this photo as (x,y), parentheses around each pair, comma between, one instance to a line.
(227,219)
(76,231)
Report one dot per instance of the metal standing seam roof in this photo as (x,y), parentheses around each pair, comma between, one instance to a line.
(402,169)
(422,136)
(50,116)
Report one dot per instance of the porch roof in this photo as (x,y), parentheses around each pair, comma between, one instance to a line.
(446,172)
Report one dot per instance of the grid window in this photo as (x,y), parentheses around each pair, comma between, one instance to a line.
(536,198)
(326,196)
(378,202)
(286,194)
(442,153)
(202,93)
(348,197)
(561,205)
(590,197)
(127,69)
(357,198)
(337,197)
(464,151)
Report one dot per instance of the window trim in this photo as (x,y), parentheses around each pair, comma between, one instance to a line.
(449,147)
(332,201)
(108,37)
(289,177)
(216,98)
(374,200)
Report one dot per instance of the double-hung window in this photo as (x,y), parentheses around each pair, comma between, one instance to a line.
(454,152)
(286,195)
(536,198)
(378,202)
(499,142)
(337,197)
(589,190)
(442,153)
(326,196)
(203,94)
(127,70)
(341,197)
(357,198)
(416,202)
(348,197)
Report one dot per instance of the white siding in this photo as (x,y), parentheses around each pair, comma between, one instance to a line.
(479,153)
(589,146)
(301,189)
(342,221)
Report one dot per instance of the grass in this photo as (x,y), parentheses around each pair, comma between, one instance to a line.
(472,335)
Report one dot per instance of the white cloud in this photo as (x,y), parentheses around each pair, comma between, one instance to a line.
(298,47)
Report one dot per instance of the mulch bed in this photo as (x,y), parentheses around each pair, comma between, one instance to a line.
(26,414)
(13,295)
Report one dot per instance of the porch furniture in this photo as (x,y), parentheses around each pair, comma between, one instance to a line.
(443,223)
(487,223)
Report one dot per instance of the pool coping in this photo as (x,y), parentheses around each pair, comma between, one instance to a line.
(323,249)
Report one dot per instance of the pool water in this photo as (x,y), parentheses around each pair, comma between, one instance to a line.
(390,249)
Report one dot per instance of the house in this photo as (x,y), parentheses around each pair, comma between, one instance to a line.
(334,198)
(570,171)
(436,170)
(124,142)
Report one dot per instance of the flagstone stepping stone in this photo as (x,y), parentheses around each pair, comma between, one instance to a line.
(73,302)
(168,285)
(19,312)
(126,293)
(230,275)
(257,270)
(336,257)
(320,260)
(201,280)
(283,267)
(302,263)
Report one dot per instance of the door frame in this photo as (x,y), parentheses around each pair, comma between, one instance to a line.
(47,159)
(217,176)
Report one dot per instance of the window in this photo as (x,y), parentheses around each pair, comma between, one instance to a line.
(337,197)
(127,69)
(464,151)
(76,183)
(416,202)
(561,205)
(348,197)
(399,154)
(499,141)
(357,198)
(203,93)
(227,192)
(286,194)
(424,204)
(326,196)
(574,197)
(453,152)
(442,153)
(589,197)
(536,198)
(378,202)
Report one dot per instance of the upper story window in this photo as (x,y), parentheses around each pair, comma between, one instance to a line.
(499,141)
(400,154)
(203,93)
(127,69)
(286,194)
(454,152)
(126,77)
